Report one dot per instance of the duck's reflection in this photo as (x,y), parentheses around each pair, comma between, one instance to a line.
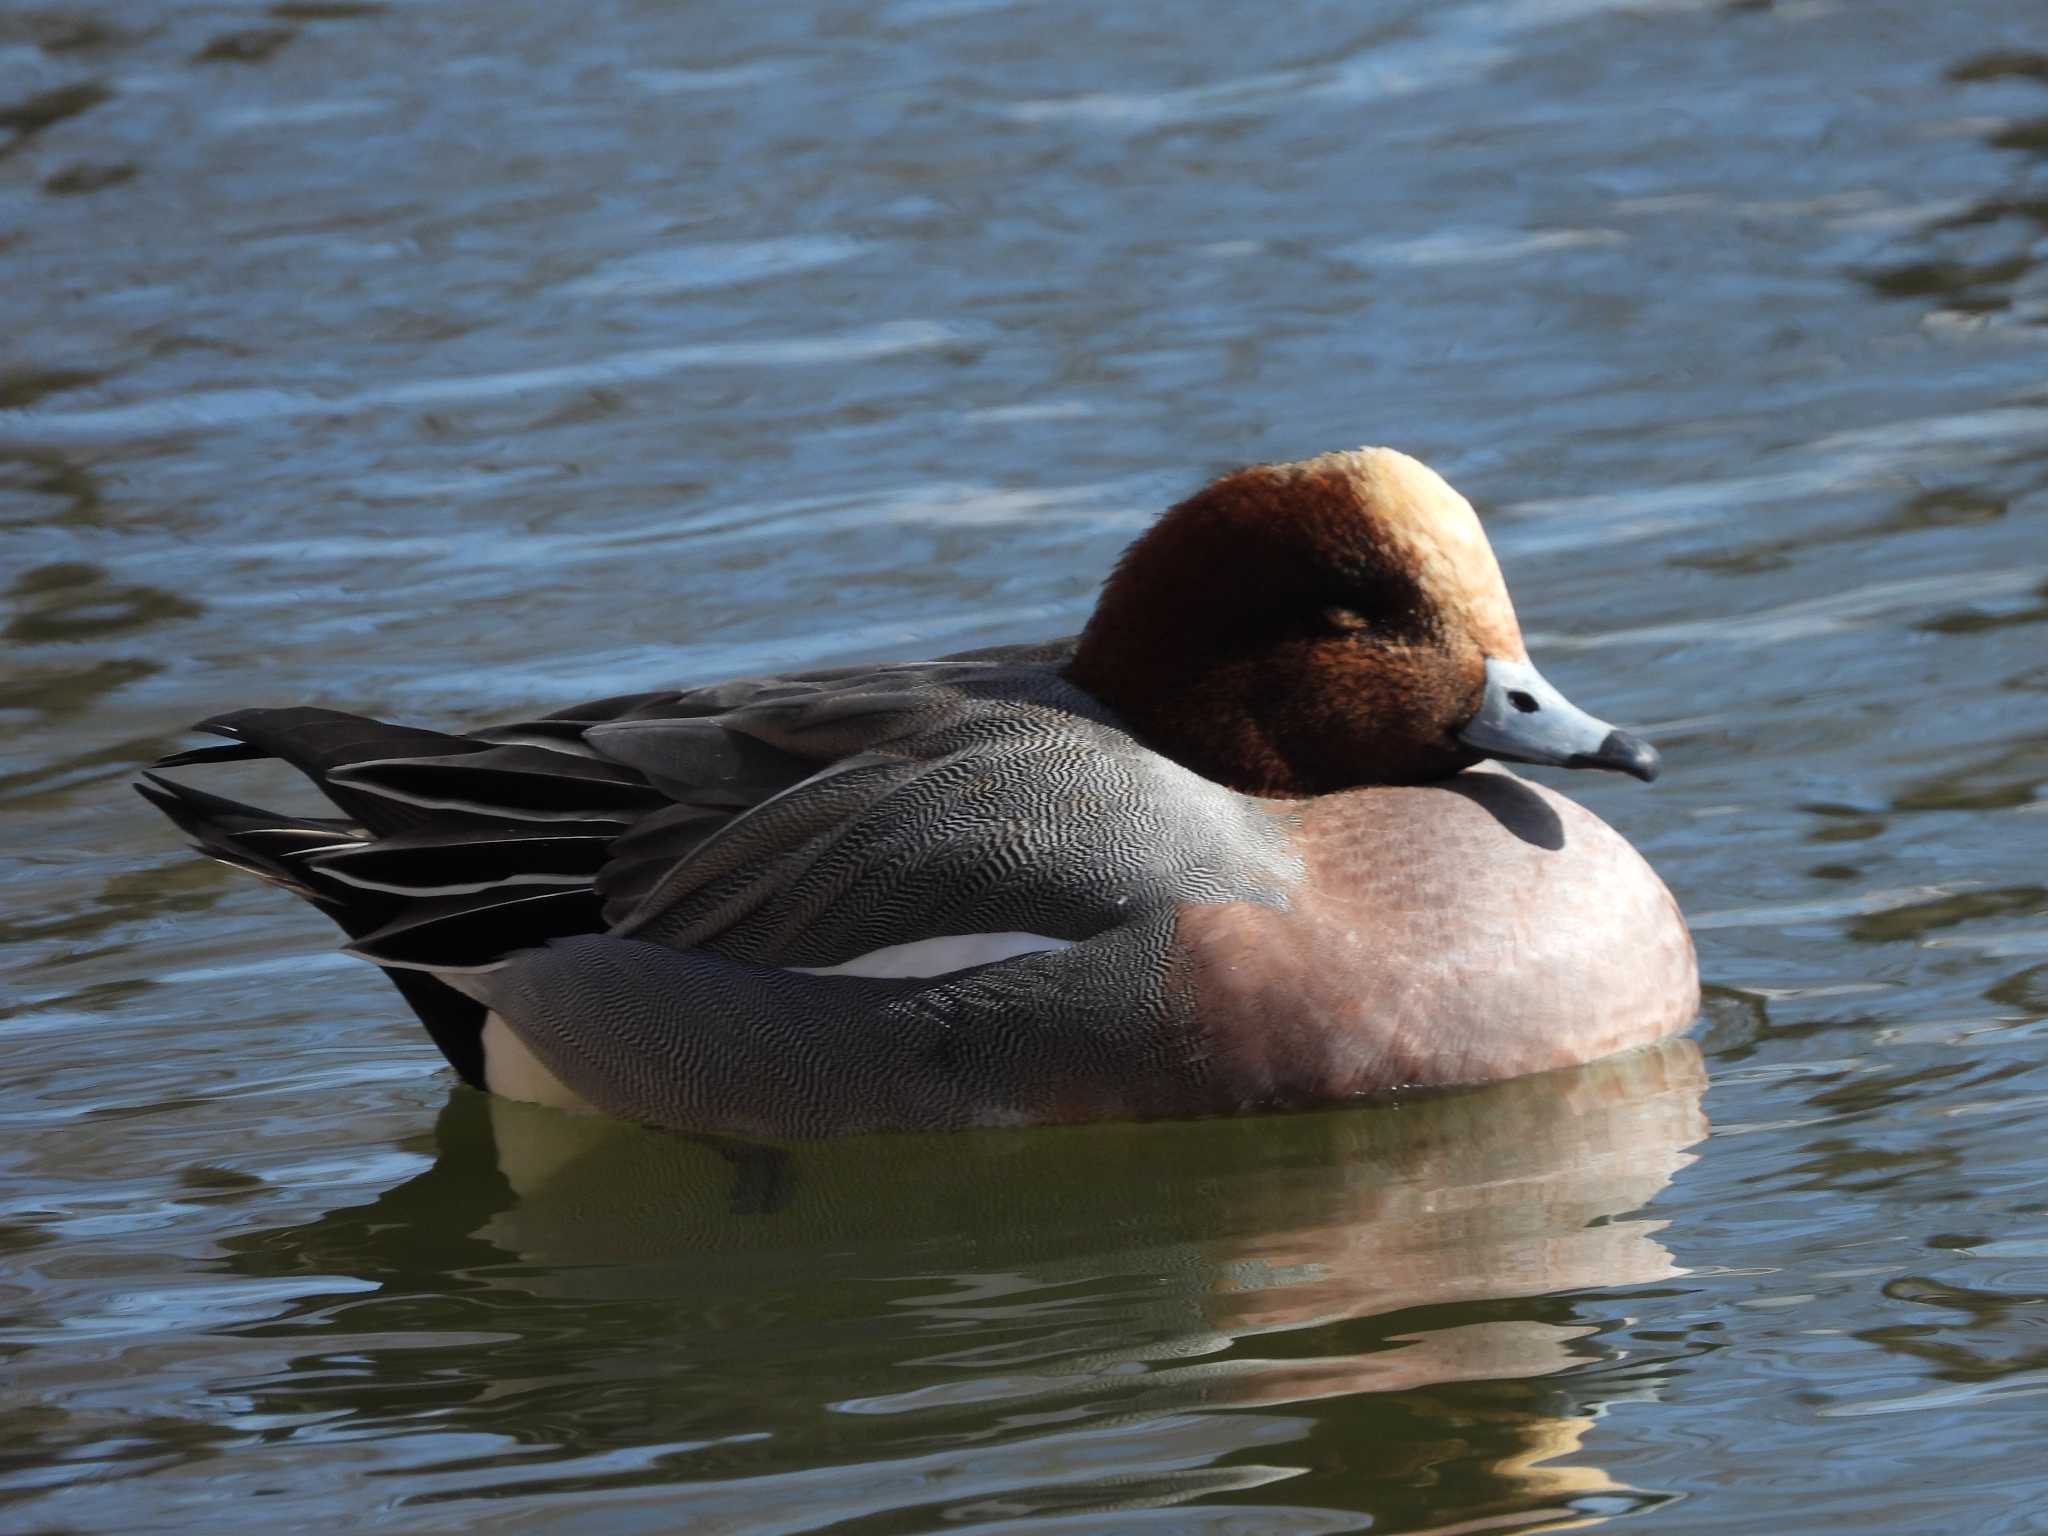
(1056,1302)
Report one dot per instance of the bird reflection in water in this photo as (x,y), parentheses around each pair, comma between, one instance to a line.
(1040,1322)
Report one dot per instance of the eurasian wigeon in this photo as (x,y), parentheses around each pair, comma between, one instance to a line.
(1236,846)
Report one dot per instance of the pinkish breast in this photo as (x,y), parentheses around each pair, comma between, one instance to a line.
(1464,932)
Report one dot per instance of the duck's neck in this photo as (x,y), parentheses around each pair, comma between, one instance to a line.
(1198,711)
(1225,718)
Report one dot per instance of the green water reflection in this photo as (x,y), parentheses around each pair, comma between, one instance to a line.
(562,1291)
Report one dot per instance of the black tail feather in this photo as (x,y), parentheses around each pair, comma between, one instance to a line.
(451,851)
(229,752)
(321,742)
(499,784)
(248,837)
(471,933)
(461,862)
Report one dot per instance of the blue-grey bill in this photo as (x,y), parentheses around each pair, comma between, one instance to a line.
(1523,719)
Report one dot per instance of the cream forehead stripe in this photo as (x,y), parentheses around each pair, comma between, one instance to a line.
(1421,514)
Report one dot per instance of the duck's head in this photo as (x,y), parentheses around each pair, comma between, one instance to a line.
(1295,629)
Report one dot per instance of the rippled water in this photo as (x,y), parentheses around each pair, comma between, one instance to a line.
(447,360)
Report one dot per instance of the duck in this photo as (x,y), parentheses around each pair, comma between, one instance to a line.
(1247,842)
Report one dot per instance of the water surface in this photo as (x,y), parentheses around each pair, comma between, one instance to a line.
(449,360)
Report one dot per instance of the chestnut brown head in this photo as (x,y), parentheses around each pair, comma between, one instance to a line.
(1295,629)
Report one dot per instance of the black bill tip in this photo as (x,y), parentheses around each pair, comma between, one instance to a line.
(1624,754)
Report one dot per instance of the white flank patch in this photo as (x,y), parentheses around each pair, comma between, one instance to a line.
(936,957)
(514,1072)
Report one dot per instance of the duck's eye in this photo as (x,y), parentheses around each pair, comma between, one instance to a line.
(1345,621)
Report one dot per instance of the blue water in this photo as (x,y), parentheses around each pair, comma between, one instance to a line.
(448,360)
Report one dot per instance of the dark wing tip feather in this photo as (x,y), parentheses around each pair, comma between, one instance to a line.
(217,827)
(447,863)
(233,752)
(470,933)
(162,794)
(515,783)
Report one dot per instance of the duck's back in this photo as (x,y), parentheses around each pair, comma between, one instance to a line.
(959,798)
(892,821)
